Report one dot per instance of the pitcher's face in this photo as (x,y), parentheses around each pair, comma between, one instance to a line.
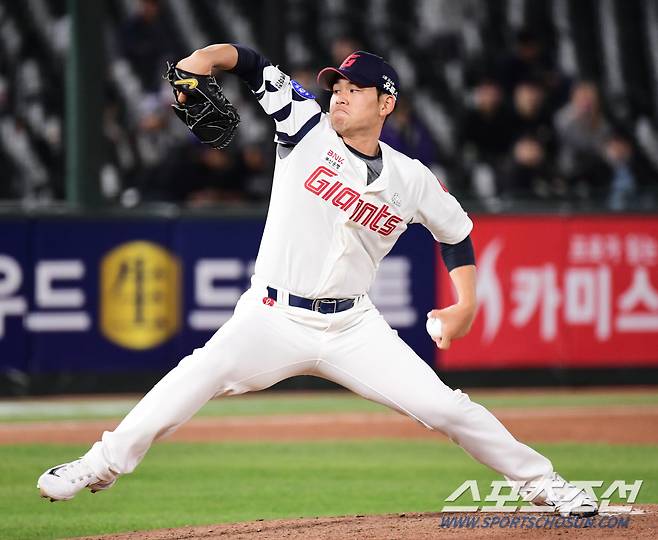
(354,108)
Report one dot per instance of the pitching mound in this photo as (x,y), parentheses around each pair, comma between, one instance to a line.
(415,527)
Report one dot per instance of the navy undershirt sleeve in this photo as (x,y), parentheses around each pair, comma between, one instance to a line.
(455,255)
(250,66)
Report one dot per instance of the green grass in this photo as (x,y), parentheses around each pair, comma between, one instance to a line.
(183,484)
(567,398)
(251,405)
(286,403)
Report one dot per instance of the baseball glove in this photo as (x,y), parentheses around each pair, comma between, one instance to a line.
(206,111)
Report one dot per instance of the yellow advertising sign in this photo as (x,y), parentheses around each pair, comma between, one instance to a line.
(140,295)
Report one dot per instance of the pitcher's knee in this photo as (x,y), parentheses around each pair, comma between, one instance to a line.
(202,376)
(444,412)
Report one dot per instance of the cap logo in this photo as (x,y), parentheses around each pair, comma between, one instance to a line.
(349,60)
(389,85)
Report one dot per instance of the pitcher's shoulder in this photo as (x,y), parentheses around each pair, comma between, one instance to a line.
(403,162)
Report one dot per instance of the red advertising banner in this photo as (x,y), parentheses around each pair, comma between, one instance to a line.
(560,292)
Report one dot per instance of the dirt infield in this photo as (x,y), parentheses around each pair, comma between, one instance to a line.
(416,527)
(612,425)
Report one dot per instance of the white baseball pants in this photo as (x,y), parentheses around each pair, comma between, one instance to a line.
(262,345)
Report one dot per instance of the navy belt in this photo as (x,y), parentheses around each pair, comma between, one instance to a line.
(321,305)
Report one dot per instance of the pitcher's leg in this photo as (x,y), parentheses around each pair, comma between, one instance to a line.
(257,348)
(375,363)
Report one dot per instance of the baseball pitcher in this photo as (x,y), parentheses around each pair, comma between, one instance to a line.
(340,200)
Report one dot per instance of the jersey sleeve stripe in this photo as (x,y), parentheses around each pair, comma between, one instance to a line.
(300,113)
(283,113)
(269,87)
(282,137)
(292,117)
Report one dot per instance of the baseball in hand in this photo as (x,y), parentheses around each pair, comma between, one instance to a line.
(434,327)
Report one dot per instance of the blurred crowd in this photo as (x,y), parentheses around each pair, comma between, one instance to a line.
(521,129)
(530,132)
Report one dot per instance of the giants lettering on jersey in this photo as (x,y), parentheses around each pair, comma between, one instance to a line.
(376,218)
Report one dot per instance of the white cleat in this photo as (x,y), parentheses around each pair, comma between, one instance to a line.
(62,483)
(565,498)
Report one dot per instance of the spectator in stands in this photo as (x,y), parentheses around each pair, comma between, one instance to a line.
(627,175)
(147,42)
(485,138)
(528,174)
(530,115)
(529,60)
(199,176)
(407,133)
(255,170)
(216,179)
(582,131)
(154,142)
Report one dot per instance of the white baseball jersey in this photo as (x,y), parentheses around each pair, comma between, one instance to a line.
(326,232)
(326,229)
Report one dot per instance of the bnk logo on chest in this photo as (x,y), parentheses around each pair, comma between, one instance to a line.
(376,218)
